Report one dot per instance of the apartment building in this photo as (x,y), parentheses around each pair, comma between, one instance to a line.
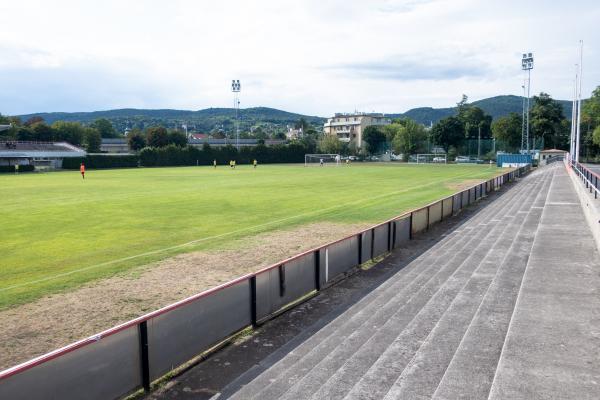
(350,127)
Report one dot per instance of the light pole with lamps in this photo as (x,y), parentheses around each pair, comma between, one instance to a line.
(236,88)
(527,65)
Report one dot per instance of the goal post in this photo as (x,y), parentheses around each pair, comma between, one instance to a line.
(432,158)
(321,160)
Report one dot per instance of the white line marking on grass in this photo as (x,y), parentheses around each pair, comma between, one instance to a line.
(250,228)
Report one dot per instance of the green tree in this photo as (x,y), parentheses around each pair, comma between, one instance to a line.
(105,128)
(71,132)
(590,111)
(507,129)
(92,140)
(23,133)
(546,120)
(177,138)
(302,124)
(448,132)
(157,136)
(590,121)
(408,136)
(330,144)
(474,119)
(373,136)
(136,140)
(596,136)
(42,132)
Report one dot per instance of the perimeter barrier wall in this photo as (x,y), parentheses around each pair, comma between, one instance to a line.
(128,357)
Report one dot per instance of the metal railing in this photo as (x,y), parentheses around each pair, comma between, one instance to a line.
(128,357)
(589,178)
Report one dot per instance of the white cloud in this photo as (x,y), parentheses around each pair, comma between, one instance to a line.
(310,56)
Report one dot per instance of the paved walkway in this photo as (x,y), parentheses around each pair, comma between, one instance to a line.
(505,307)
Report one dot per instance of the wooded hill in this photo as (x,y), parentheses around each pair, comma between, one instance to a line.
(269,119)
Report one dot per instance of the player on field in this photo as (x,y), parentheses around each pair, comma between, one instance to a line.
(255,163)
(215,163)
(320,162)
(82,170)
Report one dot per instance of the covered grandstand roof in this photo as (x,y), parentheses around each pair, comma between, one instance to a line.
(20,149)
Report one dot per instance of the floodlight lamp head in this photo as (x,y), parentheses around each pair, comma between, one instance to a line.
(527,61)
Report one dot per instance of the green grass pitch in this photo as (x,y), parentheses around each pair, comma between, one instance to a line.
(59,231)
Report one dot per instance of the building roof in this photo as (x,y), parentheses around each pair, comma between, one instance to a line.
(21,149)
(114,141)
(553,151)
(359,114)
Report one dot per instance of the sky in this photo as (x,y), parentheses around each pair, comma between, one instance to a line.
(314,57)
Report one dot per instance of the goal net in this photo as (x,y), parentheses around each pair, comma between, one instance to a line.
(438,158)
(321,159)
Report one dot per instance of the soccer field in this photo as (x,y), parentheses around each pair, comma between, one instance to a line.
(59,231)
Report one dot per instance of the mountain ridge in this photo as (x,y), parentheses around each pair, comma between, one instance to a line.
(223,118)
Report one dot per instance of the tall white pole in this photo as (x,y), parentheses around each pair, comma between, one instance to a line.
(574,113)
(578,138)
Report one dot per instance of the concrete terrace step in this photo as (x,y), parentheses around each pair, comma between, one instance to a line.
(471,371)
(422,376)
(310,352)
(356,365)
(310,366)
(376,382)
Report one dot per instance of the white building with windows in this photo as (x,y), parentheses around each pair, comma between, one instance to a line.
(349,128)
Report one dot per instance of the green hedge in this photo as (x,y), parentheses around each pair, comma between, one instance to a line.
(11,168)
(173,155)
(99,161)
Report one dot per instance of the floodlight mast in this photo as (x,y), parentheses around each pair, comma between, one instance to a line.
(523,116)
(527,65)
(236,88)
